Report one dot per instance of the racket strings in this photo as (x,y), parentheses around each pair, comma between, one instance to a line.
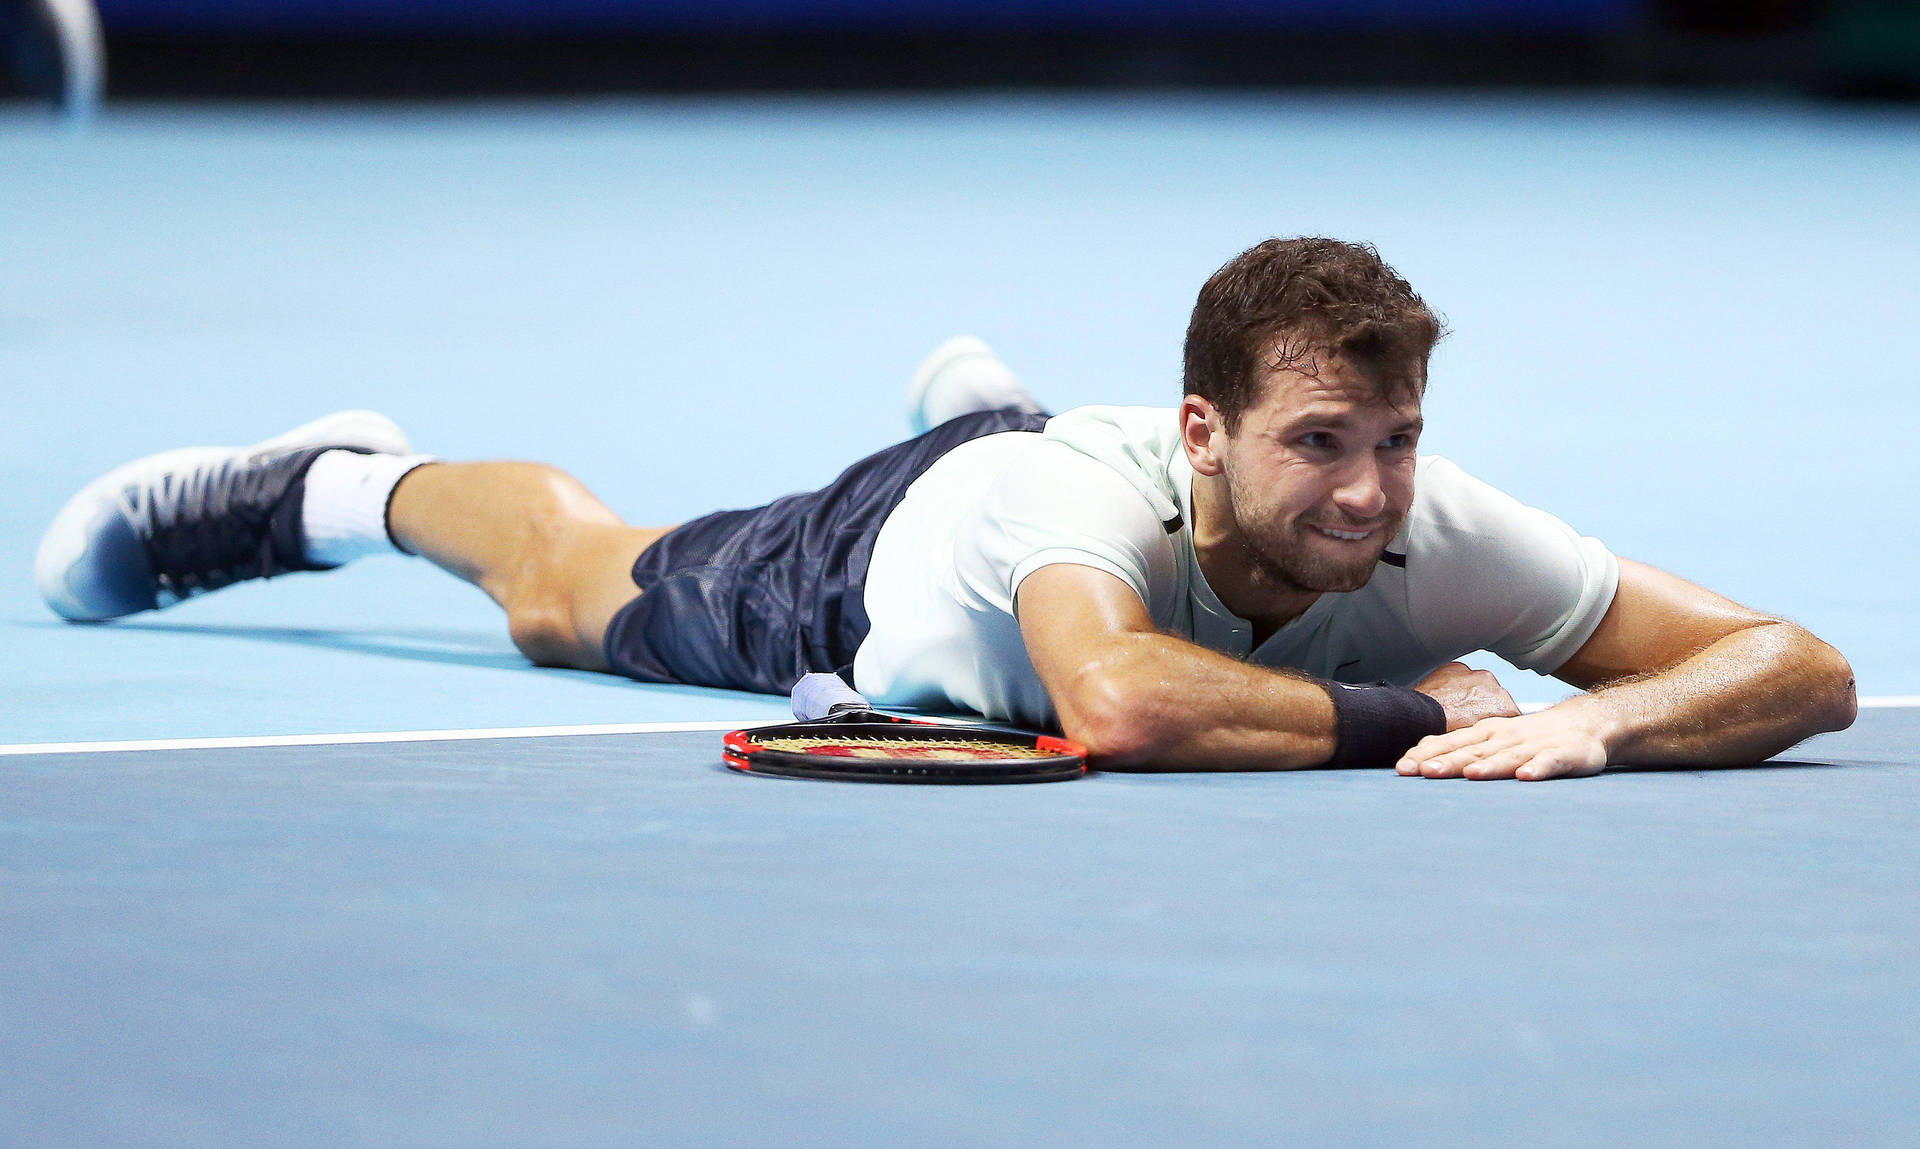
(901,747)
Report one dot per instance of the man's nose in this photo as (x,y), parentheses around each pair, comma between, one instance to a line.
(1360,493)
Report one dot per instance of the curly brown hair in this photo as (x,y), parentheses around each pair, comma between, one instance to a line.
(1276,303)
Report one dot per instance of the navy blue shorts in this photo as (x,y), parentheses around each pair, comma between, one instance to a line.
(753,599)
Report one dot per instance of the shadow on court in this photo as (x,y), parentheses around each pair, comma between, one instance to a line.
(447,646)
(1721,768)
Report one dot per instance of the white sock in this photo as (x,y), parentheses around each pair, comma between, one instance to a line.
(962,376)
(344,511)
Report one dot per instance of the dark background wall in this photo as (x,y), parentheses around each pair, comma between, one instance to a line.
(652,16)
(416,48)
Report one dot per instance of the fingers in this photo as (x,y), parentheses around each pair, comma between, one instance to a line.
(1530,751)
(1544,767)
(1480,761)
(1502,764)
(1453,740)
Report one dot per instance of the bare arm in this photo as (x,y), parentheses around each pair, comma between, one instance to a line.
(1725,684)
(1678,674)
(1132,695)
(1142,700)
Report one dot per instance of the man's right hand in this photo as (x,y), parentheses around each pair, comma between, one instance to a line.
(1467,695)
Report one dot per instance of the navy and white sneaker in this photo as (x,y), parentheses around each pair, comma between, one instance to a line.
(53,49)
(960,377)
(162,529)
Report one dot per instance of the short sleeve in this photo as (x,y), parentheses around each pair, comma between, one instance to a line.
(1055,505)
(1487,572)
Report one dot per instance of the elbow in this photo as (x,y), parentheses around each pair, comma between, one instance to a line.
(1839,701)
(1825,682)
(1114,721)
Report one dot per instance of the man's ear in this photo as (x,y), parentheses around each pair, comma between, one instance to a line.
(1204,434)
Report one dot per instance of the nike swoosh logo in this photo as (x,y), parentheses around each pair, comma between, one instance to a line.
(1344,665)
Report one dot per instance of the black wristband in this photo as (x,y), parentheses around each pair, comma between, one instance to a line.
(1376,723)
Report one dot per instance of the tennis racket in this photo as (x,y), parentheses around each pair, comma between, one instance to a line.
(842,738)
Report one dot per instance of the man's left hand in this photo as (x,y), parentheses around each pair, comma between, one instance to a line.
(1564,741)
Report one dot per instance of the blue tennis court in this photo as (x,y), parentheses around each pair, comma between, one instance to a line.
(325,861)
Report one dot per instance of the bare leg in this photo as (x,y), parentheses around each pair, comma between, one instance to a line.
(536,540)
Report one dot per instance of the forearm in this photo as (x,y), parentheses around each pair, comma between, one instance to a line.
(1152,702)
(1744,698)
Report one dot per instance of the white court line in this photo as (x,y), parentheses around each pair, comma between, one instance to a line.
(1890,702)
(250,742)
(373,738)
(1875,702)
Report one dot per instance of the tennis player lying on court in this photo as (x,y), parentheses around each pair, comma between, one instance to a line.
(1268,577)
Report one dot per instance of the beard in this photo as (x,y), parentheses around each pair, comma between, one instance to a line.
(1288,554)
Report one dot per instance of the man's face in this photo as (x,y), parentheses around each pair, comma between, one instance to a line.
(1320,476)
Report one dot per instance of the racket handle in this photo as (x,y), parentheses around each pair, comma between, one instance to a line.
(818,696)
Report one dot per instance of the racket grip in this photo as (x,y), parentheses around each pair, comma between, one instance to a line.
(818,696)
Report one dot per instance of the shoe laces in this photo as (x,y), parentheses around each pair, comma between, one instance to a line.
(210,526)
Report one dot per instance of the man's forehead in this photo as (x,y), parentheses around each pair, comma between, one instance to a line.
(1330,386)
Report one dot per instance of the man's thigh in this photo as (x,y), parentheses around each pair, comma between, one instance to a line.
(753,599)
(598,566)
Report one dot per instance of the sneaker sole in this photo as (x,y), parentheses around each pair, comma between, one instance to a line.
(96,521)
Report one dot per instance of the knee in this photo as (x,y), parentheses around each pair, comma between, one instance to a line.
(557,500)
(543,629)
(554,512)
(559,523)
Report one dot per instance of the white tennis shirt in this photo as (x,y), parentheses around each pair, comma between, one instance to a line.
(1110,488)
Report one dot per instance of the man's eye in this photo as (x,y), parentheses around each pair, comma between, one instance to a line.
(1319,440)
(1397,442)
